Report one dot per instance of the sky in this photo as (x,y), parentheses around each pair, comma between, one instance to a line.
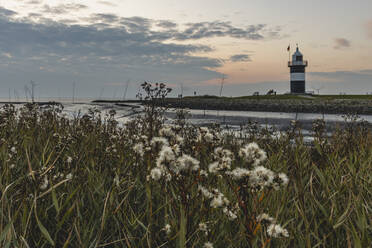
(106,48)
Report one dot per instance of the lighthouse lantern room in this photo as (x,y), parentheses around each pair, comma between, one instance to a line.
(297,69)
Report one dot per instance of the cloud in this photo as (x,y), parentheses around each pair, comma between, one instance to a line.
(109,48)
(94,54)
(241,58)
(166,24)
(195,31)
(6,12)
(63,8)
(341,43)
(34,2)
(107,3)
(368,28)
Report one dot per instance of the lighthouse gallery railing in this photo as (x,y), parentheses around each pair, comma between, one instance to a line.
(293,63)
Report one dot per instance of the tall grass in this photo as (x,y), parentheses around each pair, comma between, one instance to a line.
(87,182)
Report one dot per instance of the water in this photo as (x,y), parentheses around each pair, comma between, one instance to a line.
(204,117)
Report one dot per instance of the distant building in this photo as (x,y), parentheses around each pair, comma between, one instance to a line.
(297,69)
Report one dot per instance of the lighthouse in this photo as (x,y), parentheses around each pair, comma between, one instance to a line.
(297,69)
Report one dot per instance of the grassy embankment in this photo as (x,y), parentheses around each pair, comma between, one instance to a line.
(326,104)
(88,183)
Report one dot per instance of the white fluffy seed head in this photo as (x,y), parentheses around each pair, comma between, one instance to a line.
(239,173)
(265,218)
(208,245)
(156,174)
(252,154)
(276,231)
(186,162)
(167,229)
(159,142)
(138,149)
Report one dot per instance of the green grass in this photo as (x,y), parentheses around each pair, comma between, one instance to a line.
(109,201)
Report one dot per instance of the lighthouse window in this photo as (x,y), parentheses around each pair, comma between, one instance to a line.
(298,58)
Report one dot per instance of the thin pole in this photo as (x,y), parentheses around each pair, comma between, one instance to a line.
(73,91)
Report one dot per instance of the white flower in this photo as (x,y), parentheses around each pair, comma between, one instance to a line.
(208,245)
(45,183)
(69,160)
(230,214)
(167,229)
(117,180)
(12,166)
(203,173)
(265,218)
(213,167)
(218,200)
(284,178)
(156,174)
(69,176)
(203,227)
(205,192)
(277,231)
(13,150)
(138,149)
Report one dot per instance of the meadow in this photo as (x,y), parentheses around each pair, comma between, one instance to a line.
(89,182)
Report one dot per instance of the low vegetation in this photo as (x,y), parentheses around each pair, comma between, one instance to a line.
(90,182)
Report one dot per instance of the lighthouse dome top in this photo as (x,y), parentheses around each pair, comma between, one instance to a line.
(297,53)
(297,56)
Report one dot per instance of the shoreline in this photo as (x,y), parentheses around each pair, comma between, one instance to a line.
(316,106)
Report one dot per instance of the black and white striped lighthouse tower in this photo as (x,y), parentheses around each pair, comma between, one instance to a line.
(297,69)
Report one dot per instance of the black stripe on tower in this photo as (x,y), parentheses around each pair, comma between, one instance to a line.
(296,69)
(298,87)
